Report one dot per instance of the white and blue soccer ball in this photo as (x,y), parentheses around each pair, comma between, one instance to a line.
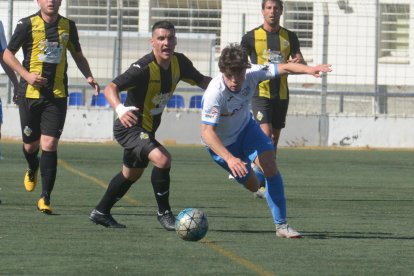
(191,224)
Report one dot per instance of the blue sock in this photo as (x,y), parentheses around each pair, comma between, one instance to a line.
(275,197)
(259,174)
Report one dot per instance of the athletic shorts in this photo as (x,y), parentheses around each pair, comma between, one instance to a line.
(137,144)
(270,111)
(1,113)
(42,117)
(249,144)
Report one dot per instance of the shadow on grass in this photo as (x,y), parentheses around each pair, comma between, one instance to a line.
(354,235)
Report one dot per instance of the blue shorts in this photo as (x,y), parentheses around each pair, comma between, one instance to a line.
(251,142)
(1,113)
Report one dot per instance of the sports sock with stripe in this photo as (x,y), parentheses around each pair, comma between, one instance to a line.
(117,188)
(160,179)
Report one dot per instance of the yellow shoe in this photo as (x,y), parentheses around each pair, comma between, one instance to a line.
(30,180)
(43,205)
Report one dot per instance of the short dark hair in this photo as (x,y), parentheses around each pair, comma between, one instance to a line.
(233,59)
(280,2)
(163,25)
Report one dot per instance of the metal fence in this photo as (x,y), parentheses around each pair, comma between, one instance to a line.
(369,43)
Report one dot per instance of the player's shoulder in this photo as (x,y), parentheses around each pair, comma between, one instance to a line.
(289,32)
(26,21)
(258,28)
(71,22)
(216,87)
(143,62)
(250,33)
(181,57)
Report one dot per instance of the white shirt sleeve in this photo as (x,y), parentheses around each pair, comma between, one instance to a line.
(210,114)
(263,72)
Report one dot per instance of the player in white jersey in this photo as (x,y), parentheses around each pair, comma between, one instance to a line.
(234,139)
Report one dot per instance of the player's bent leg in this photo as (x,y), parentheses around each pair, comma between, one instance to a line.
(105,220)
(117,188)
(252,183)
(276,136)
(261,192)
(48,170)
(43,205)
(30,152)
(275,197)
(160,180)
(286,231)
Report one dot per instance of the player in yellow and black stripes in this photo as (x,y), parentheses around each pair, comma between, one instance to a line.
(150,83)
(45,38)
(271,42)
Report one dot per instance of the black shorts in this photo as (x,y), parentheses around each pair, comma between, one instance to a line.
(42,117)
(137,144)
(270,111)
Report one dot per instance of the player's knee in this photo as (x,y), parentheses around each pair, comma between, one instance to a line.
(162,161)
(269,169)
(132,174)
(252,184)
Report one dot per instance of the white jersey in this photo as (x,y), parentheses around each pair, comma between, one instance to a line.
(230,111)
(3,43)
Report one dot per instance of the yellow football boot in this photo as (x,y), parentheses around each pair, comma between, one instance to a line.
(30,180)
(43,205)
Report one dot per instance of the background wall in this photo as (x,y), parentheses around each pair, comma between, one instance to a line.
(182,127)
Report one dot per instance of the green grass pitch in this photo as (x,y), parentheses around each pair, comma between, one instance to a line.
(354,207)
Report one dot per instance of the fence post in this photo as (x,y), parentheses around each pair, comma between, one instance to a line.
(118,56)
(382,99)
(323,118)
(375,104)
(9,32)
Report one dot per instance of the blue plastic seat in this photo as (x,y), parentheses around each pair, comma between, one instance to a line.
(176,101)
(99,100)
(76,98)
(195,101)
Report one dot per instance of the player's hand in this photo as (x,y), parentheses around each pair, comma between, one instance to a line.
(237,167)
(318,69)
(36,80)
(15,99)
(15,95)
(294,60)
(126,115)
(92,82)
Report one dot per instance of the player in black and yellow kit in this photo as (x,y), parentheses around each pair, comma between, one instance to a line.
(44,37)
(150,83)
(270,104)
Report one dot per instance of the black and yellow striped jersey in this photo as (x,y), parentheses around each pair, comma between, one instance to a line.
(44,48)
(150,87)
(257,42)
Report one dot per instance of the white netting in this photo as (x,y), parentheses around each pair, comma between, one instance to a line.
(365,64)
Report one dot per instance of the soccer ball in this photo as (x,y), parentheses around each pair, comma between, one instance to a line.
(191,224)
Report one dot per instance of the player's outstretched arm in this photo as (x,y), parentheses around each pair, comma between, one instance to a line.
(297,68)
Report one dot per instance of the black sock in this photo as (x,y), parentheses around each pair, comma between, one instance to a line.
(32,159)
(160,179)
(48,169)
(117,188)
